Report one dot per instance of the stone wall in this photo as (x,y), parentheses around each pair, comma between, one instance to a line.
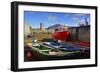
(80,33)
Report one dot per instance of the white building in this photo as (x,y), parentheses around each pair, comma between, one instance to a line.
(27,30)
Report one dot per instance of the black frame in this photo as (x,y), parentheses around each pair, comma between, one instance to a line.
(14,35)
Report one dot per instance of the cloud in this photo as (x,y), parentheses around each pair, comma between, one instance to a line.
(75,15)
(88,19)
(75,18)
(80,14)
(82,21)
(67,15)
(78,20)
(51,17)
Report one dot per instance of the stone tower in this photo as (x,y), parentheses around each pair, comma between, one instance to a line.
(42,26)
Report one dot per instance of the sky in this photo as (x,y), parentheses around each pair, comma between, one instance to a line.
(34,18)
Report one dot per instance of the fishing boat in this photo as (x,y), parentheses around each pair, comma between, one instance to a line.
(61,35)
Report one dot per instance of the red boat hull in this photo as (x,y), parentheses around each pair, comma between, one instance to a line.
(64,36)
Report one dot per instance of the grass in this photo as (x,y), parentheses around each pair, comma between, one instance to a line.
(42,36)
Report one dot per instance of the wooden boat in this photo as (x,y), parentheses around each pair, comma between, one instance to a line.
(47,51)
(44,52)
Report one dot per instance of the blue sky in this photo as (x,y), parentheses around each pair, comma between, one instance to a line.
(50,18)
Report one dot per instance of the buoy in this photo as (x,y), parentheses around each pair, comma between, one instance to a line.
(29,55)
